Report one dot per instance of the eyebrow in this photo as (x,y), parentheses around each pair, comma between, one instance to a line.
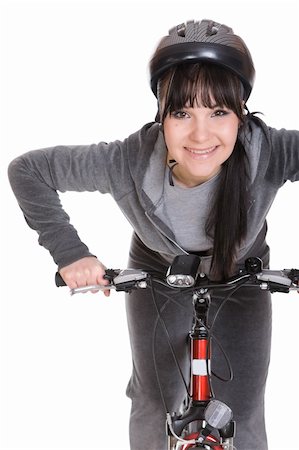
(214,106)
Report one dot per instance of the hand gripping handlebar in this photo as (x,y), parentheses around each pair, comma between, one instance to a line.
(120,280)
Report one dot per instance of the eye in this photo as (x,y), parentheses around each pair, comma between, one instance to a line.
(220,113)
(179,114)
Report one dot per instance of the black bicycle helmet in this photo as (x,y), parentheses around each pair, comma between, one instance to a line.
(204,40)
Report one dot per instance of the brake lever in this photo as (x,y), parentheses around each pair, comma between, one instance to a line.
(91,288)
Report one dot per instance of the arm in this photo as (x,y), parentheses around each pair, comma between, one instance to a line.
(37,176)
(273,154)
(284,157)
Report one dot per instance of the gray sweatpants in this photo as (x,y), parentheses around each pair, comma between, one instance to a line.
(244,329)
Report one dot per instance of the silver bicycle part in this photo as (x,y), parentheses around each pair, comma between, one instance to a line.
(178,438)
(128,275)
(180,280)
(135,276)
(274,276)
(91,288)
(227,444)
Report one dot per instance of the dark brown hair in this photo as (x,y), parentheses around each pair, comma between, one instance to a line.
(209,85)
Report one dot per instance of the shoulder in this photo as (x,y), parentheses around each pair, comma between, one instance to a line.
(141,145)
(272,153)
(257,130)
(147,135)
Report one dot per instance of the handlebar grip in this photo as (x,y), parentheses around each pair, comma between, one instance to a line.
(59,281)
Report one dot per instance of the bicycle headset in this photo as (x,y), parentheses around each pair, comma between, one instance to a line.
(203,41)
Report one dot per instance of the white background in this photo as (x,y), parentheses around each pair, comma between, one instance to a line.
(76,72)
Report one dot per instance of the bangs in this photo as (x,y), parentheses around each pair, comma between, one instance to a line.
(195,85)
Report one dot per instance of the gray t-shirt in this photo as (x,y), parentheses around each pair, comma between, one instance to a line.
(187,211)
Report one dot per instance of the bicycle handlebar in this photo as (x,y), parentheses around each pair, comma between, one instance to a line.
(253,274)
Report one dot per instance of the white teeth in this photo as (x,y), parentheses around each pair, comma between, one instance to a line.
(201,152)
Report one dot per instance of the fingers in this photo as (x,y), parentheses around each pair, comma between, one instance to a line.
(85,272)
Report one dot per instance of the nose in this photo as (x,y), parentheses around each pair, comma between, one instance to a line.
(200,130)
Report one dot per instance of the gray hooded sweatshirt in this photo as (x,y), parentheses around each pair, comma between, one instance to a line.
(133,172)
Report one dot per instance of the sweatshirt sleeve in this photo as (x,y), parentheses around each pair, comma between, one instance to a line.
(37,176)
(284,157)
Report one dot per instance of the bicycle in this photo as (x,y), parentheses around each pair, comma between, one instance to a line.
(204,422)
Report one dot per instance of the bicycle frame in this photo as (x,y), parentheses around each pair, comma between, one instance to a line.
(191,425)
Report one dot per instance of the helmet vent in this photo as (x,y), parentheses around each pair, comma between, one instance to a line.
(213,28)
(181,30)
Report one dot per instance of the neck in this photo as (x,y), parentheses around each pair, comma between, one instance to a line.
(187,180)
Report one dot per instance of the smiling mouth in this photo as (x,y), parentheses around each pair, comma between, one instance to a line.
(205,151)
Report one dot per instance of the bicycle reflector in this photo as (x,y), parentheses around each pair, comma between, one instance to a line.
(217,415)
(183,271)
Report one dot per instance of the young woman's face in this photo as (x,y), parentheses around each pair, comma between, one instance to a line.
(200,139)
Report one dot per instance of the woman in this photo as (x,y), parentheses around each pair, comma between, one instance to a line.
(199,180)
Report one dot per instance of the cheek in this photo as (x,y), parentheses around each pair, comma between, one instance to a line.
(174,130)
(171,134)
(230,134)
